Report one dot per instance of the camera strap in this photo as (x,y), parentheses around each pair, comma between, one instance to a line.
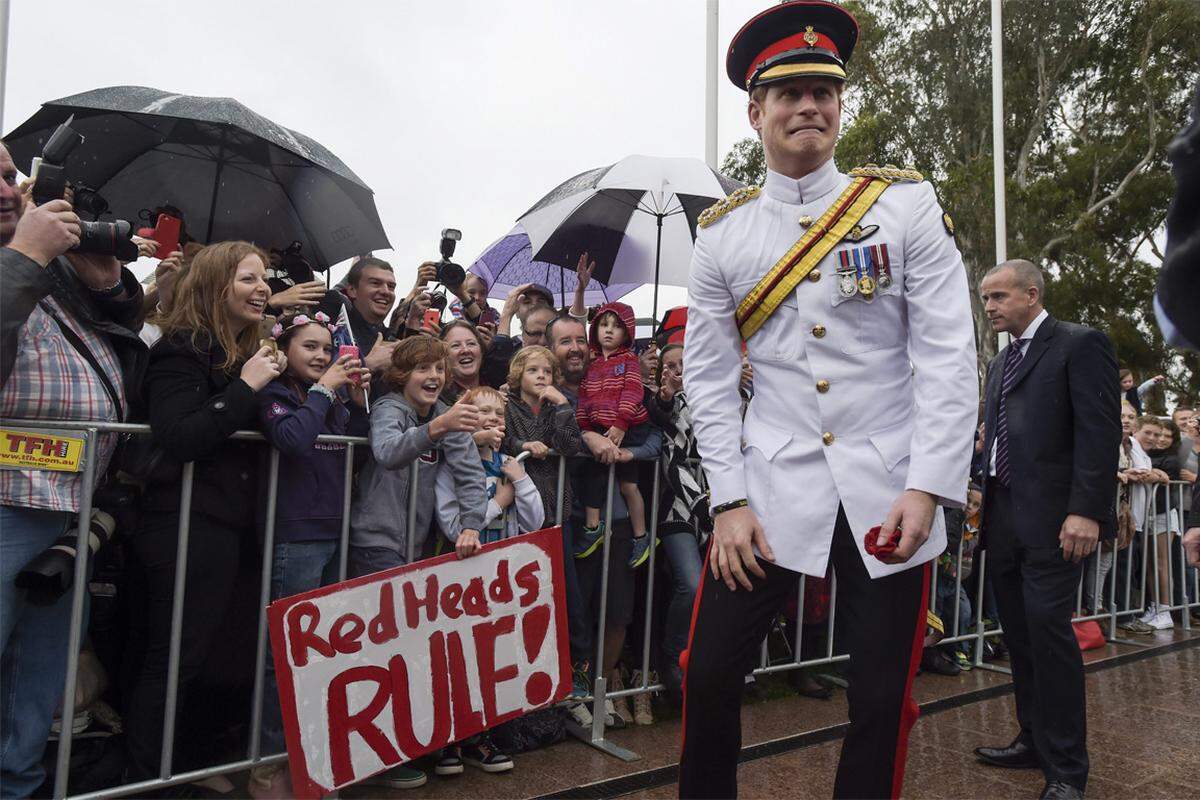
(88,356)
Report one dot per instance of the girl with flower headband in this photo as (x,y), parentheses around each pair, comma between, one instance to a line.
(298,406)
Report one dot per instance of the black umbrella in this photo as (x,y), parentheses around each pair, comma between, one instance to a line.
(233,173)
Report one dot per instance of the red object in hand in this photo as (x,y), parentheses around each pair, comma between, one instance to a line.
(166,233)
(352,351)
(884,550)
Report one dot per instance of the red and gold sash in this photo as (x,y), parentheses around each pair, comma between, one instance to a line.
(816,243)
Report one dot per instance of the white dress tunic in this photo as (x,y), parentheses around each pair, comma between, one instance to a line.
(855,399)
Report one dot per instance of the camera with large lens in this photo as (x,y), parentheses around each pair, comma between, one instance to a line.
(449,274)
(50,574)
(50,183)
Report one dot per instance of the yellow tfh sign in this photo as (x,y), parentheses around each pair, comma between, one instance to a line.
(20,449)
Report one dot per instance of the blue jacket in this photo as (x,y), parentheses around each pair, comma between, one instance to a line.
(312,477)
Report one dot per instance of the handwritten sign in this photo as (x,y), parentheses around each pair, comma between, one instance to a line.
(379,670)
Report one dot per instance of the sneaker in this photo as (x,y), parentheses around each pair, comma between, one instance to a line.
(642,713)
(581,686)
(401,777)
(935,661)
(581,714)
(963,661)
(620,705)
(1136,626)
(270,782)
(611,718)
(1162,620)
(588,540)
(449,761)
(641,551)
(479,752)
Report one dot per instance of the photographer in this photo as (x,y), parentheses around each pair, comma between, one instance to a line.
(69,351)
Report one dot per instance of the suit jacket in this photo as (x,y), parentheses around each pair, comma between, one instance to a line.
(1064,431)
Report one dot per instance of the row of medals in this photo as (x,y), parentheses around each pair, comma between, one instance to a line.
(848,284)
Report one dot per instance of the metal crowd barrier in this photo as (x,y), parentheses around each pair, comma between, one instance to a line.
(1179,578)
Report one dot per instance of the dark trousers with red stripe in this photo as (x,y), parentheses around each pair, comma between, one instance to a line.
(883,624)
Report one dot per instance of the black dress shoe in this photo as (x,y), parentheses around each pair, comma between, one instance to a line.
(1017,755)
(935,661)
(1057,790)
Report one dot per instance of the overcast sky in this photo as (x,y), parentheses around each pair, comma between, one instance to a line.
(458,113)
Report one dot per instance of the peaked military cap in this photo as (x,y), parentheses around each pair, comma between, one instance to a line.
(795,38)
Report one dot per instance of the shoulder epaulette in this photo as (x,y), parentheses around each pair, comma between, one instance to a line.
(722,207)
(888,171)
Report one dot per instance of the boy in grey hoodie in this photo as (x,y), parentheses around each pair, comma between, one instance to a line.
(411,425)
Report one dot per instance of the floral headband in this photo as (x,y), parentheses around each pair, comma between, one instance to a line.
(321,318)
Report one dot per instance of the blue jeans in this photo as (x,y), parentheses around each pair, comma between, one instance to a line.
(296,567)
(945,608)
(33,643)
(683,556)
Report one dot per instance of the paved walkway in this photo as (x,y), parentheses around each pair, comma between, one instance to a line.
(1144,737)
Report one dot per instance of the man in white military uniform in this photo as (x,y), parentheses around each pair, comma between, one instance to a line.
(865,400)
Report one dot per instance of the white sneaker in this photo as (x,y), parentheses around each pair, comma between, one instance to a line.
(581,714)
(611,718)
(1150,613)
(1162,620)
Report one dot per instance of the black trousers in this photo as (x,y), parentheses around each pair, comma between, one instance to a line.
(883,620)
(1035,595)
(214,550)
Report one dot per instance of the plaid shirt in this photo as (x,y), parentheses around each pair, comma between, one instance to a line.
(52,381)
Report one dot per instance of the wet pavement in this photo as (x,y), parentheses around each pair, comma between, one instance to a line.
(1144,739)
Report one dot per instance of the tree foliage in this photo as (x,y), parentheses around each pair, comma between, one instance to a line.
(1093,92)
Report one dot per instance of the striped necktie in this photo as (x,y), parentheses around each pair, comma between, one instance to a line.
(1011,361)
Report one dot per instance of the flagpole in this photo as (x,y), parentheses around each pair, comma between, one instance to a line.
(998,139)
(711,18)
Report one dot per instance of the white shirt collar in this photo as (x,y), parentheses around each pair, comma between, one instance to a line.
(1032,330)
(798,191)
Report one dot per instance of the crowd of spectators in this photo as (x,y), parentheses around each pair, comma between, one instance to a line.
(228,337)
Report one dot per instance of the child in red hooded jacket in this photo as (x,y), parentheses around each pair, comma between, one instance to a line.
(610,402)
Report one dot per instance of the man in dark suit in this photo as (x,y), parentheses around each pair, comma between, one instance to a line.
(1053,429)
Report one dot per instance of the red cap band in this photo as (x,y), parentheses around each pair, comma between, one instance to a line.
(796,41)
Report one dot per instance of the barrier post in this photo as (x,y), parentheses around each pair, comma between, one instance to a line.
(62,769)
(600,691)
(411,529)
(347,491)
(653,534)
(264,599)
(181,560)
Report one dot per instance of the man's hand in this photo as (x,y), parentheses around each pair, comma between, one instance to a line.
(302,294)
(624,456)
(513,305)
(536,449)
(1191,546)
(615,435)
(1078,537)
(461,417)
(95,270)
(489,437)
(603,450)
(912,513)
(583,273)
(735,535)
(47,231)
(380,356)
(467,544)
(1187,475)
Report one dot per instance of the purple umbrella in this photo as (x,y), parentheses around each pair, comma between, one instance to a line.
(508,263)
